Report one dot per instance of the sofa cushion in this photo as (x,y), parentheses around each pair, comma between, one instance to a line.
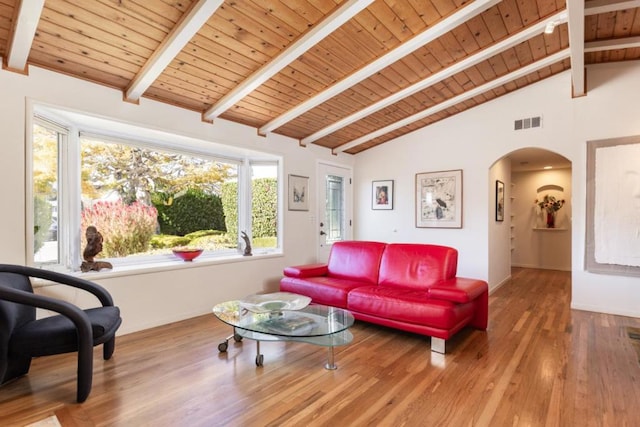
(417,266)
(321,290)
(356,260)
(407,305)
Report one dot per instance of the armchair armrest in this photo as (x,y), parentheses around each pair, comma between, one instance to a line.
(101,293)
(308,270)
(459,289)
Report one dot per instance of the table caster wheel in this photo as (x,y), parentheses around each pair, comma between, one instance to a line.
(260,360)
(237,338)
(222,347)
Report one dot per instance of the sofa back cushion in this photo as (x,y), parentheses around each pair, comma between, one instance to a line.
(355,260)
(417,266)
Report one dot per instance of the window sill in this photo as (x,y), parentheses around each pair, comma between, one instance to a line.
(160,266)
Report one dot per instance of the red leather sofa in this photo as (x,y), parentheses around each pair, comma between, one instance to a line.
(407,286)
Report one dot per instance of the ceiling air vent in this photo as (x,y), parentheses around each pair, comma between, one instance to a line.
(529,122)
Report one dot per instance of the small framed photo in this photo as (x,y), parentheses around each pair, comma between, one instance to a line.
(439,199)
(382,195)
(499,200)
(298,193)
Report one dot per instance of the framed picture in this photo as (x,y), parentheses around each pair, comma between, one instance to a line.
(298,193)
(382,195)
(439,199)
(613,206)
(499,200)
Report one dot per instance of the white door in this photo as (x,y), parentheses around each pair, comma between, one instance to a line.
(334,207)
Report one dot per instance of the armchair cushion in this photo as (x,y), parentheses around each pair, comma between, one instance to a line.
(58,334)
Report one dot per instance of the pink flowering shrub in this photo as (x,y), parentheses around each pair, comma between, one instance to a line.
(126,229)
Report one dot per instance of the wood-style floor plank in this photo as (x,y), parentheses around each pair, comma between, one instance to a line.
(539,364)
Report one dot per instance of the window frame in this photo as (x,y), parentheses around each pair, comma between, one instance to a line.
(77,125)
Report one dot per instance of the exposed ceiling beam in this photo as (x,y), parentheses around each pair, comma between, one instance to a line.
(177,39)
(472,60)
(474,8)
(287,56)
(595,7)
(535,66)
(623,43)
(23,32)
(576,43)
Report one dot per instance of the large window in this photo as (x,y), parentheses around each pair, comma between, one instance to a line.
(147,193)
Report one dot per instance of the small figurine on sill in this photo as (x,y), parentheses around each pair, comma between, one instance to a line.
(247,243)
(93,248)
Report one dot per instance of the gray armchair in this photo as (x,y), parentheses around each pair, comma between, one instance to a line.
(22,336)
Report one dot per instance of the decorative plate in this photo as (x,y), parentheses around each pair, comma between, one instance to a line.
(278,301)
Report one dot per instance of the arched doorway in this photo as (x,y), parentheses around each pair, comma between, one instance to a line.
(536,182)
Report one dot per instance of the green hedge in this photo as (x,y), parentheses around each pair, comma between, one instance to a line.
(190,212)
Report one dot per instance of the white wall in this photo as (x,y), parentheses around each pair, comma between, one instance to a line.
(474,140)
(499,231)
(160,297)
(536,246)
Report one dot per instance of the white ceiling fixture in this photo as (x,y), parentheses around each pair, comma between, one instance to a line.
(457,67)
(432,33)
(23,32)
(545,62)
(287,56)
(182,33)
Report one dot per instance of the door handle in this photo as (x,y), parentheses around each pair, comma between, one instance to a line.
(322,233)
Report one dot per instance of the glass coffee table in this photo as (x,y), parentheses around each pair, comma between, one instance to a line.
(313,324)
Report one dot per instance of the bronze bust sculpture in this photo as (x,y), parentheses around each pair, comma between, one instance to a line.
(93,248)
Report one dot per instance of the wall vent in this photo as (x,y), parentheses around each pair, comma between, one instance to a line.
(529,122)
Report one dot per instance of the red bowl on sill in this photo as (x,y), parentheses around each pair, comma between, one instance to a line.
(187,254)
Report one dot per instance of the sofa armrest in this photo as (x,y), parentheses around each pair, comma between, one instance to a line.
(308,270)
(459,290)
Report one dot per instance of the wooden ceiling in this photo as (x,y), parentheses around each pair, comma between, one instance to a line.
(344,74)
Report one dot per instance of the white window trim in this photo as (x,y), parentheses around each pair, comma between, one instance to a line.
(69,177)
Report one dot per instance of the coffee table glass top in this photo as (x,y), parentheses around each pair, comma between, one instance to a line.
(311,321)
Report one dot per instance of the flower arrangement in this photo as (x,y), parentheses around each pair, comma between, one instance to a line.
(550,204)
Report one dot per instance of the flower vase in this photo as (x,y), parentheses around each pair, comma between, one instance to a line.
(551,220)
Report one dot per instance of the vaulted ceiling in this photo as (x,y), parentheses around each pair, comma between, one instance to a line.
(344,74)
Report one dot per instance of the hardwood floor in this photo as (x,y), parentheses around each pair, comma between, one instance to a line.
(539,364)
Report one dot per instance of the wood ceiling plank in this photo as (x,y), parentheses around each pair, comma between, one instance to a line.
(439,52)
(552,42)
(392,22)
(590,28)
(523,53)
(606,23)
(157,14)
(385,38)
(498,65)
(538,47)
(466,39)
(426,11)
(444,7)
(481,34)
(172,98)
(80,70)
(112,19)
(46,41)
(54,35)
(547,7)
(236,38)
(65,56)
(623,23)
(293,20)
(495,23)
(528,13)
(228,57)
(257,26)
(510,59)
(407,14)
(83,22)
(511,15)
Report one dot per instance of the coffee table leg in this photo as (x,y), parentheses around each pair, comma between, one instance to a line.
(259,357)
(330,365)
